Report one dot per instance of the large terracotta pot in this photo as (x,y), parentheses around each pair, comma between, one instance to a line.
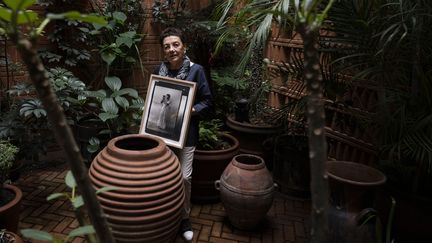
(208,166)
(9,213)
(353,192)
(246,188)
(147,205)
(252,137)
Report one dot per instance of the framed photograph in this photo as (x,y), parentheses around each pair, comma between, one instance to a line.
(167,109)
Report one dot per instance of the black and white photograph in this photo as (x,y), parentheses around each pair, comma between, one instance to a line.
(167,109)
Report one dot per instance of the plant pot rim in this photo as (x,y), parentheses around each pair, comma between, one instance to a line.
(17,198)
(112,144)
(376,177)
(227,137)
(251,128)
(244,166)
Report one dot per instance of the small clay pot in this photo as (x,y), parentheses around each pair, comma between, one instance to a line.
(247,190)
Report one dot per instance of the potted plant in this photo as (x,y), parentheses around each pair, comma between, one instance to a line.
(393,57)
(25,122)
(249,119)
(118,109)
(10,195)
(214,152)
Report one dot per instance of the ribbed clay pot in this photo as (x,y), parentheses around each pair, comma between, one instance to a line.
(246,189)
(147,205)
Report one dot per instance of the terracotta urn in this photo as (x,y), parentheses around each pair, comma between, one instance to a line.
(9,212)
(354,188)
(246,189)
(208,166)
(148,202)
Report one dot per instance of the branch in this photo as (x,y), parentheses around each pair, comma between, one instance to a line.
(64,136)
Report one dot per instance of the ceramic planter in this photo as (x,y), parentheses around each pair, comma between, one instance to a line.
(9,213)
(148,201)
(252,137)
(246,189)
(353,192)
(208,166)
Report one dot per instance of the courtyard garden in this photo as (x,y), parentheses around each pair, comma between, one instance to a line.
(320,127)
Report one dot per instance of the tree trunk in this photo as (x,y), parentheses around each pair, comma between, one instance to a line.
(64,136)
(317,142)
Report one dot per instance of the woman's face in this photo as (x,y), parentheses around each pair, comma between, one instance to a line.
(174,51)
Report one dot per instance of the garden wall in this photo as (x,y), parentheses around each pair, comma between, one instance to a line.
(348,135)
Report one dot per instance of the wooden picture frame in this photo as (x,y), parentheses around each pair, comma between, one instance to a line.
(167,109)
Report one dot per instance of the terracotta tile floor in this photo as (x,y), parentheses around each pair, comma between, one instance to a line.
(286,221)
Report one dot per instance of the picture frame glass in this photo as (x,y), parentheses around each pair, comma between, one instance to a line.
(167,109)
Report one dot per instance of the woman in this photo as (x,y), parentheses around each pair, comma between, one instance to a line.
(178,65)
(163,113)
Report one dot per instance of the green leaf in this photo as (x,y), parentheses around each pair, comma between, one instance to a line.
(19,5)
(84,230)
(122,101)
(119,16)
(75,15)
(130,60)
(108,105)
(27,17)
(106,188)
(120,40)
(106,116)
(129,91)
(5,14)
(37,235)
(56,195)
(108,57)
(129,34)
(113,82)
(94,144)
(96,94)
(70,180)
(77,202)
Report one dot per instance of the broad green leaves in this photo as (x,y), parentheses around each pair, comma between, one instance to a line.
(19,5)
(15,13)
(114,83)
(45,236)
(22,17)
(114,100)
(37,235)
(75,15)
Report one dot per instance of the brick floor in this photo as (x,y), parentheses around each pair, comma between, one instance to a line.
(286,221)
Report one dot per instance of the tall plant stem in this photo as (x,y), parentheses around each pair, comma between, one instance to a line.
(317,143)
(64,136)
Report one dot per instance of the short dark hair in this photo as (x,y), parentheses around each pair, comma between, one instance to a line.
(171,31)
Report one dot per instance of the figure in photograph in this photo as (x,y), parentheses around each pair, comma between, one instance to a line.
(163,116)
(178,65)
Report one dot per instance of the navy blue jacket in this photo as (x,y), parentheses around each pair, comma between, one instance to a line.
(203,100)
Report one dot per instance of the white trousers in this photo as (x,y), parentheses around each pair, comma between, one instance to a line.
(185,157)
